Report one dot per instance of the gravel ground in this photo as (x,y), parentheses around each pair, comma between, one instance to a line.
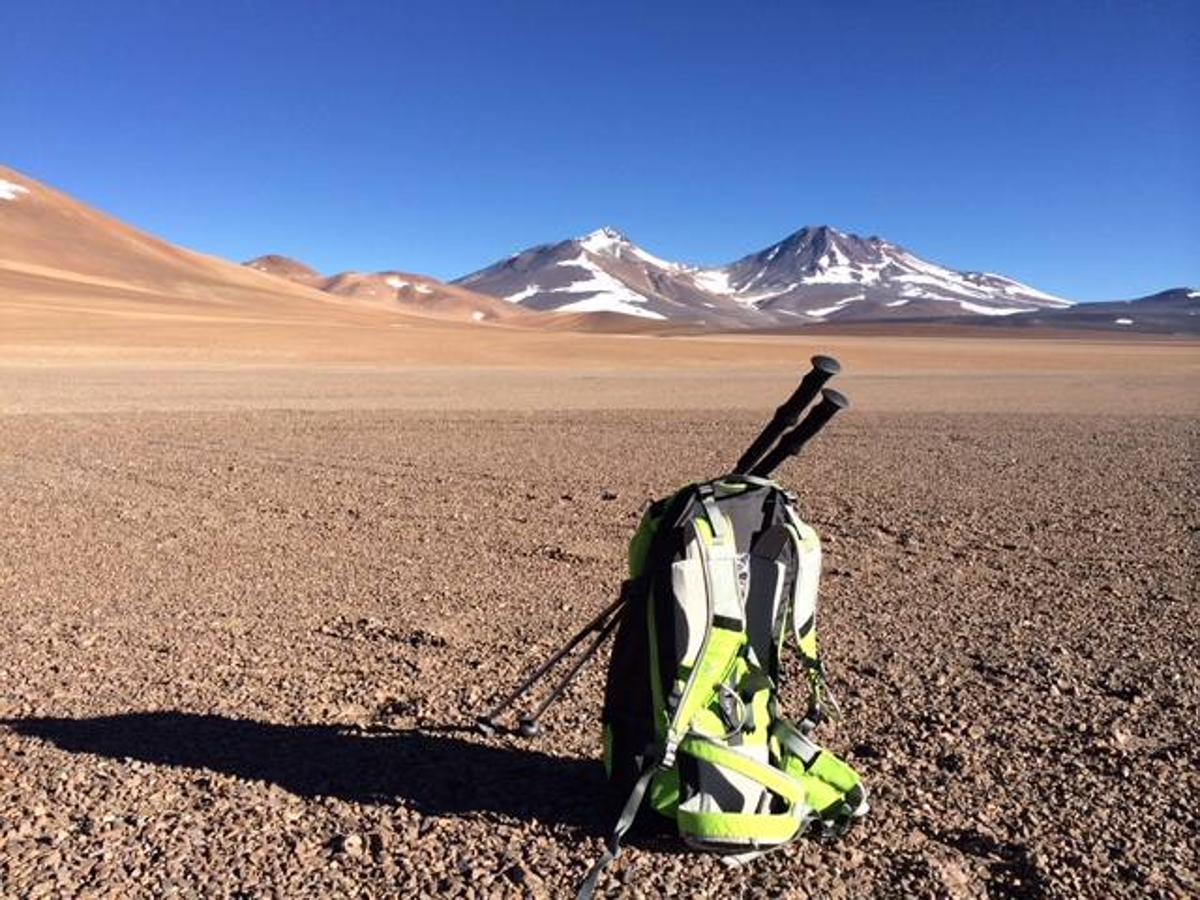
(239,650)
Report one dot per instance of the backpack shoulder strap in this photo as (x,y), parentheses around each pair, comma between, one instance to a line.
(711,536)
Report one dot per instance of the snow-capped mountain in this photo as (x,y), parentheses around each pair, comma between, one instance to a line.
(817,274)
(822,273)
(604,272)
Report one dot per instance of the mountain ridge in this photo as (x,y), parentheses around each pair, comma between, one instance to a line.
(602,281)
(816,273)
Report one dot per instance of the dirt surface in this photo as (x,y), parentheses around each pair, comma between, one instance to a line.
(241,638)
(434,366)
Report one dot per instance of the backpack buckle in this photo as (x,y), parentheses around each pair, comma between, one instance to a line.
(662,757)
(734,711)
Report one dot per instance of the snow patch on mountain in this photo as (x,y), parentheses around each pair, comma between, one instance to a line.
(611,294)
(10,189)
(715,281)
(608,303)
(991,310)
(394,281)
(857,273)
(936,277)
(756,299)
(602,240)
(655,261)
(522,294)
(841,304)
(610,242)
(1008,286)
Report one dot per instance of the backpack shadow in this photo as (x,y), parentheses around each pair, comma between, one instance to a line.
(433,771)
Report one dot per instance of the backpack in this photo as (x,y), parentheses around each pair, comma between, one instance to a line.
(723,574)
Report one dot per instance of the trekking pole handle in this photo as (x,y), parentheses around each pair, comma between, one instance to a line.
(832,402)
(788,413)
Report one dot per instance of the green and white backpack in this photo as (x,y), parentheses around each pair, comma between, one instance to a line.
(723,575)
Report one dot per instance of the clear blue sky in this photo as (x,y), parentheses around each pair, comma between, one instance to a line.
(1055,142)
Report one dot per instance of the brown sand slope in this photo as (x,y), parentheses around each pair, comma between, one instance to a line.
(68,271)
(46,234)
(75,279)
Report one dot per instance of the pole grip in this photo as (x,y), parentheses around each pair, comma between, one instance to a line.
(823,368)
(832,402)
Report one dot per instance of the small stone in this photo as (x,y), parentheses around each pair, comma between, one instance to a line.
(375,844)
(349,844)
(950,762)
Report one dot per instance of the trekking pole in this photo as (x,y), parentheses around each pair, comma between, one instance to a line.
(487,722)
(528,724)
(832,402)
(788,413)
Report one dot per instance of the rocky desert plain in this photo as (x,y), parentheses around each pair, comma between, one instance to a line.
(266,552)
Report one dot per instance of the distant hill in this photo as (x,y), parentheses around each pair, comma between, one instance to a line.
(1174,311)
(413,293)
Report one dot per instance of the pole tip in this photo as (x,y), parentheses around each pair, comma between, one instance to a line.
(485,726)
(826,364)
(529,728)
(837,398)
